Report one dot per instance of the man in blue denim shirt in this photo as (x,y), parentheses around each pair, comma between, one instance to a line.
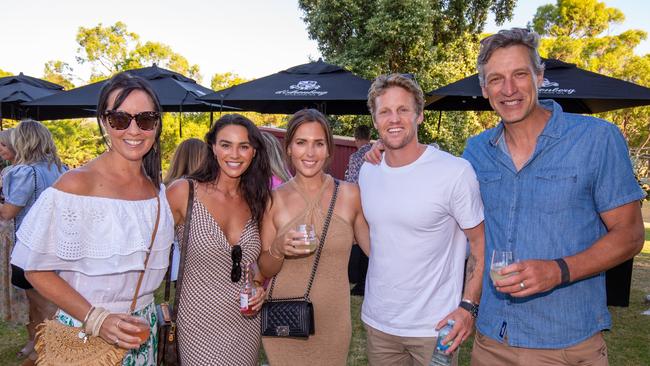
(559,192)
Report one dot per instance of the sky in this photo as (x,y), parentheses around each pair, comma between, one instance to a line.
(252,38)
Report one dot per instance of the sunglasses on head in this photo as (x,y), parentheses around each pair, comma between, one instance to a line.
(119,120)
(235,254)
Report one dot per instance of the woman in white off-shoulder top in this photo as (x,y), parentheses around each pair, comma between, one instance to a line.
(83,245)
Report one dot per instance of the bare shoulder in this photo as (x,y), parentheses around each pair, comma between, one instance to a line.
(349,190)
(278,199)
(177,193)
(78,181)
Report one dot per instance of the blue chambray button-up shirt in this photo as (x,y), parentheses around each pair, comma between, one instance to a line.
(550,209)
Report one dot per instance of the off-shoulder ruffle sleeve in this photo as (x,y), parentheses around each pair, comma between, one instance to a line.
(92,235)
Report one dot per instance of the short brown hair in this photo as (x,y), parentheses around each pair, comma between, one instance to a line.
(383,82)
(305,116)
(506,38)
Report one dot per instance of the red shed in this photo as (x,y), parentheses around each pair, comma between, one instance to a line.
(343,148)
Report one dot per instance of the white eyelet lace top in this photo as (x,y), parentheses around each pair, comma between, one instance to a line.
(97,245)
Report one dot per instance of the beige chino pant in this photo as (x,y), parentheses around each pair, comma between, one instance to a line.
(390,350)
(488,352)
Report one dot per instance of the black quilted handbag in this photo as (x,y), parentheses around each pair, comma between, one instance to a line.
(294,317)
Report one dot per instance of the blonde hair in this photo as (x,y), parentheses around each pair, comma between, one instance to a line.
(33,142)
(5,139)
(276,157)
(189,156)
(384,82)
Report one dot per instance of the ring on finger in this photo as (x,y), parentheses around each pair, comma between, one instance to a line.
(117,340)
(522,285)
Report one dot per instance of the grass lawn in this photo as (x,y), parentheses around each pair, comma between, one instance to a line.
(628,341)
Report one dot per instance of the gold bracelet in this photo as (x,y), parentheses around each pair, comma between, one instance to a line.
(271,254)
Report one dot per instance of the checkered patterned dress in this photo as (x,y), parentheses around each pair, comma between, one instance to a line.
(211,330)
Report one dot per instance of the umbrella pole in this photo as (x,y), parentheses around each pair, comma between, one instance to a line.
(211,118)
(180,123)
(439,121)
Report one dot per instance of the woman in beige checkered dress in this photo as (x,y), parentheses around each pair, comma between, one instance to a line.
(231,193)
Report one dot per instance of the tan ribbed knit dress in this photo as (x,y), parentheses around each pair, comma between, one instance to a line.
(330,293)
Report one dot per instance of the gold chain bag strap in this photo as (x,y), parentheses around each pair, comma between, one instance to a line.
(294,317)
(61,345)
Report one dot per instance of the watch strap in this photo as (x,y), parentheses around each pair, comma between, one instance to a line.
(470,307)
(564,270)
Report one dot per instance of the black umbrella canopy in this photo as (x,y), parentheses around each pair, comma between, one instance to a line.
(575,89)
(17,89)
(176,93)
(327,87)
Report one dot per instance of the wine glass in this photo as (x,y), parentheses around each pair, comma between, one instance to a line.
(500,259)
(307,235)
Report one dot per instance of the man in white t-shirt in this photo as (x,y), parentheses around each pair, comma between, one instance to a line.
(422,205)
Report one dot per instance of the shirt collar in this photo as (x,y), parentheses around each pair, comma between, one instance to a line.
(552,129)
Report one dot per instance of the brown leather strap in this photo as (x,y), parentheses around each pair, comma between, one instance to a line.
(146,258)
(183,243)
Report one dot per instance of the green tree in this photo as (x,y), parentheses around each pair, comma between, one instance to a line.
(112,49)
(59,72)
(435,40)
(4,73)
(226,80)
(77,141)
(579,31)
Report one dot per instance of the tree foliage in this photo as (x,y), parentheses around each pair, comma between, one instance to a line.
(372,37)
(4,73)
(113,49)
(435,40)
(225,80)
(59,72)
(578,31)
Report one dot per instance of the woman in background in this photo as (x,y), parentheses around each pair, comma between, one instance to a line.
(190,156)
(35,167)
(89,234)
(276,158)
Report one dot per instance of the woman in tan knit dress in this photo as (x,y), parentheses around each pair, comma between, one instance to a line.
(230,196)
(305,200)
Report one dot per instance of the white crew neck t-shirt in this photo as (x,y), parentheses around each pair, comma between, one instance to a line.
(416,215)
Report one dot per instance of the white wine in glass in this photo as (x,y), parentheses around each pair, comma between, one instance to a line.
(308,236)
(500,259)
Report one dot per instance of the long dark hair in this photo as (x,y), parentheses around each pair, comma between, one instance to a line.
(125,83)
(254,183)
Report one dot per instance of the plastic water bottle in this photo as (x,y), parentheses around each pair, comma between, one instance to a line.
(439,357)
